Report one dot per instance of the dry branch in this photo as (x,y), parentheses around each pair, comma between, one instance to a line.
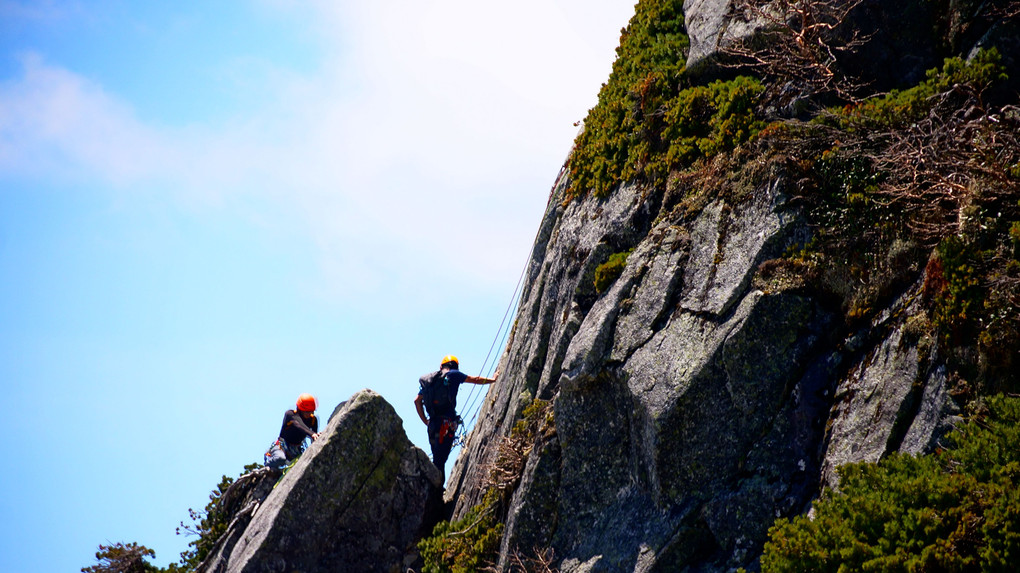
(541,562)
(800,46)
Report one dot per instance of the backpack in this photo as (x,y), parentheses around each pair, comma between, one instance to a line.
(437,394)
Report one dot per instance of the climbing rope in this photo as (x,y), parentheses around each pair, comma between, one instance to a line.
(475,397)
(495,363)
(487,368)
(474,400)
(501,335)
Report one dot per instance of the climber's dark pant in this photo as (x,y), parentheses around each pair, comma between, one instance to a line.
(442,431)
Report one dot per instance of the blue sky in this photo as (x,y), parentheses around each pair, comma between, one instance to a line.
(209,208)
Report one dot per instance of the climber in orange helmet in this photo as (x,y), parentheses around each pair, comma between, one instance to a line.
(298,424)
(438,396)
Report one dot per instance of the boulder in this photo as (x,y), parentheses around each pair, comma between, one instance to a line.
(357,500)
(713,26)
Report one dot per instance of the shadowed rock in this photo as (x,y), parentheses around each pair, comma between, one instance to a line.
(240,501)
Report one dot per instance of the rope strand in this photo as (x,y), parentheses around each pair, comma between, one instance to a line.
(476,392)
(474,398)
(474,402)
(503,335)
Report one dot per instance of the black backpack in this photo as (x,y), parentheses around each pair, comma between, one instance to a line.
(437,394)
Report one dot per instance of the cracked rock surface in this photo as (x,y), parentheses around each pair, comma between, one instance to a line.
(690,409)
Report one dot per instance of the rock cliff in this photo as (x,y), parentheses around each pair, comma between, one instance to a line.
(693,404)
(689,407)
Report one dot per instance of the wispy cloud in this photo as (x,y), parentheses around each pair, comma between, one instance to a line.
(52,121)
(431,132)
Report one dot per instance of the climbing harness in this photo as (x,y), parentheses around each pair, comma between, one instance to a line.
(448,429)
(292,452)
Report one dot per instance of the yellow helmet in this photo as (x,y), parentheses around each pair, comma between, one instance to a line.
(448,359)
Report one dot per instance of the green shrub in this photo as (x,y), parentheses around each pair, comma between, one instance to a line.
(958,510)
(900,108)
(123,558)
(888,171)
(705,120)
(610,270)
(621,132)
(534,416)
(847,184)
(1014,235)
(466,545)
(953,283)
(650,120)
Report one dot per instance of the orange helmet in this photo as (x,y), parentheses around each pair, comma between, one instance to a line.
(306,403)
(448,359)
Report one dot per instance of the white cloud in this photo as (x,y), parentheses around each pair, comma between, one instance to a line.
(52,119)
(433,130)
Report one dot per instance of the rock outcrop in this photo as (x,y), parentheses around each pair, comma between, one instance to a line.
(691,409)
(357,500)
(691,405)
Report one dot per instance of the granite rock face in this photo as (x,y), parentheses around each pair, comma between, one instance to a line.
(692,404)
(357,500)
(690,408)
(889,401)
(713,26)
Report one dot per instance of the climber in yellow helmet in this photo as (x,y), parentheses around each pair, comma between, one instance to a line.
(437,396)
(298,424)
